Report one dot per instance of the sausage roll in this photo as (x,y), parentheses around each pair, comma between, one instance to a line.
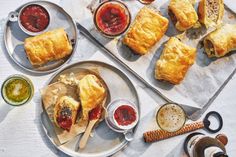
(49,46)
(174,62)
(92,93)
(182,14)
(211,12)
(65,112)
(221,41)
(147,29)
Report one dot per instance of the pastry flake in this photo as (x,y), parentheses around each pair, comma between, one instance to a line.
(49,46)
(174,62)
(183,14)
(211,12)
(221,41)
(147,29)
(91,92)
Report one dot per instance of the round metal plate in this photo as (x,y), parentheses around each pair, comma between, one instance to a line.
(14,37)
(105,142)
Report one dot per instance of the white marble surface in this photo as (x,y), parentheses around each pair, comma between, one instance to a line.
(21,134)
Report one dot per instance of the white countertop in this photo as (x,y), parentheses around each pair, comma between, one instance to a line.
(21,134)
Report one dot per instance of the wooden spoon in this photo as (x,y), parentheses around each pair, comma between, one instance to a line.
(94,116)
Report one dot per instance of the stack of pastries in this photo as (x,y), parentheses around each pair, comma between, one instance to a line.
(150,26)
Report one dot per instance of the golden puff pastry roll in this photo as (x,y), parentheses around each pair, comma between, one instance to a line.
(65,112)
(183,14)
(175,61)
(221,41)
(211,12)
(49,46)
(92,93)
(147,29)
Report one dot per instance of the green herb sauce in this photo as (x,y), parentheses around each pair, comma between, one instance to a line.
(17,90)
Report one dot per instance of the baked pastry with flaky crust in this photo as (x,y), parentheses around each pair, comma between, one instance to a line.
(65,112)
(147,29)
(92,93)
(175,61)
(211,12)
(221,41)
(49,46)
(182,14)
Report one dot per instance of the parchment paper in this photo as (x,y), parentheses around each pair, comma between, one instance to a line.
(203,79)
(66,86)
(50,95)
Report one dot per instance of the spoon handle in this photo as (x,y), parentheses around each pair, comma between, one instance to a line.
(84,139)
(157,135)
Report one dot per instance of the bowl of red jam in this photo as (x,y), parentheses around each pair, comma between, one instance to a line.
(112,18)
(122,115)
(33,19)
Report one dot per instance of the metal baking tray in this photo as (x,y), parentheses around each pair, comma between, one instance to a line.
(104,142)
(14,37)
(204,80)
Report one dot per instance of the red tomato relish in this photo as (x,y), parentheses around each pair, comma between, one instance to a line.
(95,113)
(125,115)
(34,18)
(65,122)
(112,18)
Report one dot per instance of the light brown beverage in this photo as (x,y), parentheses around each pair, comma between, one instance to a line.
(171,117)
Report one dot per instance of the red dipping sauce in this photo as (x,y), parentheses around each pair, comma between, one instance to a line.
(65,122)
(34,18)
(112,18)
(125,115)
(95,113)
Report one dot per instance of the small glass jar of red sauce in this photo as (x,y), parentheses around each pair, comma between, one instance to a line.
(122,115)
(112,18)
(33,19)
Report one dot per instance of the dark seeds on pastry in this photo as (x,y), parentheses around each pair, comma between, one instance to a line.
(212,9)
(66,112)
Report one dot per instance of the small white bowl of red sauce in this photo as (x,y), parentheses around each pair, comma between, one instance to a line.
(112,18)
(33,19)
(122,115)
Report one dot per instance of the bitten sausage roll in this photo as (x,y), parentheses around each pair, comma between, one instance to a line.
(174,62)
(65,112)
(211,12)
(221,41)
(49,46)
(147,29)
(92,93)
(182,14)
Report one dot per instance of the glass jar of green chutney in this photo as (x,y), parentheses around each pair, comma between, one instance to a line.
(17,90)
